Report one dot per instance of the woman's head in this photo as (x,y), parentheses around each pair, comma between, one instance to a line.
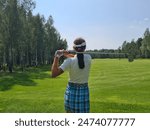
(79,44)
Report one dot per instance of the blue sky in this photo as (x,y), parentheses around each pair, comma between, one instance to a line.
(102,23)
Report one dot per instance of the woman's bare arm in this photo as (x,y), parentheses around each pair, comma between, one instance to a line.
(56,71)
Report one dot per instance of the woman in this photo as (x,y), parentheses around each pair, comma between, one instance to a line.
(78,66)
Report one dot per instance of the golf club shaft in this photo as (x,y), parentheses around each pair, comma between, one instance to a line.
(90,52)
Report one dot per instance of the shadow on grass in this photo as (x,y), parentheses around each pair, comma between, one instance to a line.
(26,78)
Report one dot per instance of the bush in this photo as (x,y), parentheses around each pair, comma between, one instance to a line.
(130,58)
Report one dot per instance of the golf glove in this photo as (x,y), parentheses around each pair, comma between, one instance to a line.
(59,53)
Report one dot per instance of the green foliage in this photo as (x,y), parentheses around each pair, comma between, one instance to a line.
(25,39)
(139,48)
(115,86)
(145,48)
(130,58)
(107,53)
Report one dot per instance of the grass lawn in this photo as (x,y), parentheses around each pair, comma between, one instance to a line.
(115,86)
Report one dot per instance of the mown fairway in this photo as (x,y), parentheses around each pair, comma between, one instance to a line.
(115,86)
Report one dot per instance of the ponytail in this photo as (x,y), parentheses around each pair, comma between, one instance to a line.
(79,46)
(80,61)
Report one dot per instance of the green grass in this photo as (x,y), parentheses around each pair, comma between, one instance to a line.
(115,86)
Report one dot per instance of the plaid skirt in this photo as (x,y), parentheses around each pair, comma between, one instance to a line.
(77,98)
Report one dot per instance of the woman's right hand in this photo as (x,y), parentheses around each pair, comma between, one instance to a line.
(67,54)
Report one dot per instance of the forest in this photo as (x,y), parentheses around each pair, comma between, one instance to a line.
(26,39)
(31,40)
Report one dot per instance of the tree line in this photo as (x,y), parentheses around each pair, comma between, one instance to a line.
(107,53)
(31,40)
(26,39)
(131,50)
(139,48)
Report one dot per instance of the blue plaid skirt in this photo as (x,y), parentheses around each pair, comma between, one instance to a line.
(77,98)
